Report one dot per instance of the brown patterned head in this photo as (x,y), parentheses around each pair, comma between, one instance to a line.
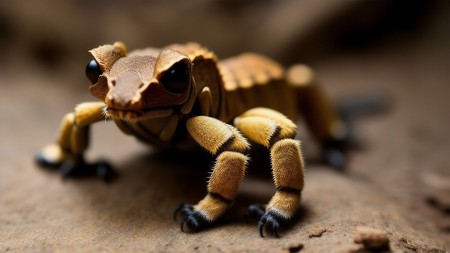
(143,84)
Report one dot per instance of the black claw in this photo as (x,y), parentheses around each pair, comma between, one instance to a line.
(192,223)
(194,220)
(175,213)
(275,231)
(182,225)
(274,225)
(261,228)
(255,211)
(272,222)
(183,208)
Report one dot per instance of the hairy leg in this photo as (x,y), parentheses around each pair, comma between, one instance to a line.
(225,142)
(276,132)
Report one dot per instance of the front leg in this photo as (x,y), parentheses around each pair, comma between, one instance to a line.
(276,132)
(229,146)
(67,153)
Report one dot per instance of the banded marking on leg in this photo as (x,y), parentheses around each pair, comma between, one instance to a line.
(288,175)
(216,136)
(265,126)
(227,174)
(223,185)
(275,131)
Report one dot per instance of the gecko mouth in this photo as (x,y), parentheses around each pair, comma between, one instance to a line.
(137,115)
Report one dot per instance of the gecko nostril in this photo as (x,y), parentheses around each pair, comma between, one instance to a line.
(113,83)
(141,85)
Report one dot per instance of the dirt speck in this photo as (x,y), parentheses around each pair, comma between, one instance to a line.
(317,232)
(293,247)
(371,238)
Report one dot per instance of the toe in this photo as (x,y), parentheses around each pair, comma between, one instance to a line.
(193,220)
(255,211)
(183,209)
(272,222)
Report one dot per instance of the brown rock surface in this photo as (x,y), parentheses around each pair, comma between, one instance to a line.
(397,183)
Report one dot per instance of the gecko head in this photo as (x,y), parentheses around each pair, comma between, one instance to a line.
(144,84)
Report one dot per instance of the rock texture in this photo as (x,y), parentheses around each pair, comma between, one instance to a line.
(396,183)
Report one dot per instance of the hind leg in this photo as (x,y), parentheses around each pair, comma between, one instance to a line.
(276,132)
(321,117)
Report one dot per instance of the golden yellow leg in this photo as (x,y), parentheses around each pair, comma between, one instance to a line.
(228,171)
(223,185)
(73,136)
(321,116)
(288,175)
(275,131)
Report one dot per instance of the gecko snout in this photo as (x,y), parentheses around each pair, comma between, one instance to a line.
(124,92)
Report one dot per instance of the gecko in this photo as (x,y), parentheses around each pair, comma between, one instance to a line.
(183,97)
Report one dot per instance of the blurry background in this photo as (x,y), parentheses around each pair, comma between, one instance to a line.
(399,48)
(54,33)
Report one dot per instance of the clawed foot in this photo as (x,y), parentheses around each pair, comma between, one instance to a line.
(101,169)
(335,153)
(334,150)
(193,220)
(270,221)
(75,168)
(335,158)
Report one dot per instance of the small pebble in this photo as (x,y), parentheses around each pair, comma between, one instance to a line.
(371,238)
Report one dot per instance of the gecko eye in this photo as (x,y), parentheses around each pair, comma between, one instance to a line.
(93,71)
(177,78)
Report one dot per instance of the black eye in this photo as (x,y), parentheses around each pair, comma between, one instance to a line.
(93,71)
(177,78)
